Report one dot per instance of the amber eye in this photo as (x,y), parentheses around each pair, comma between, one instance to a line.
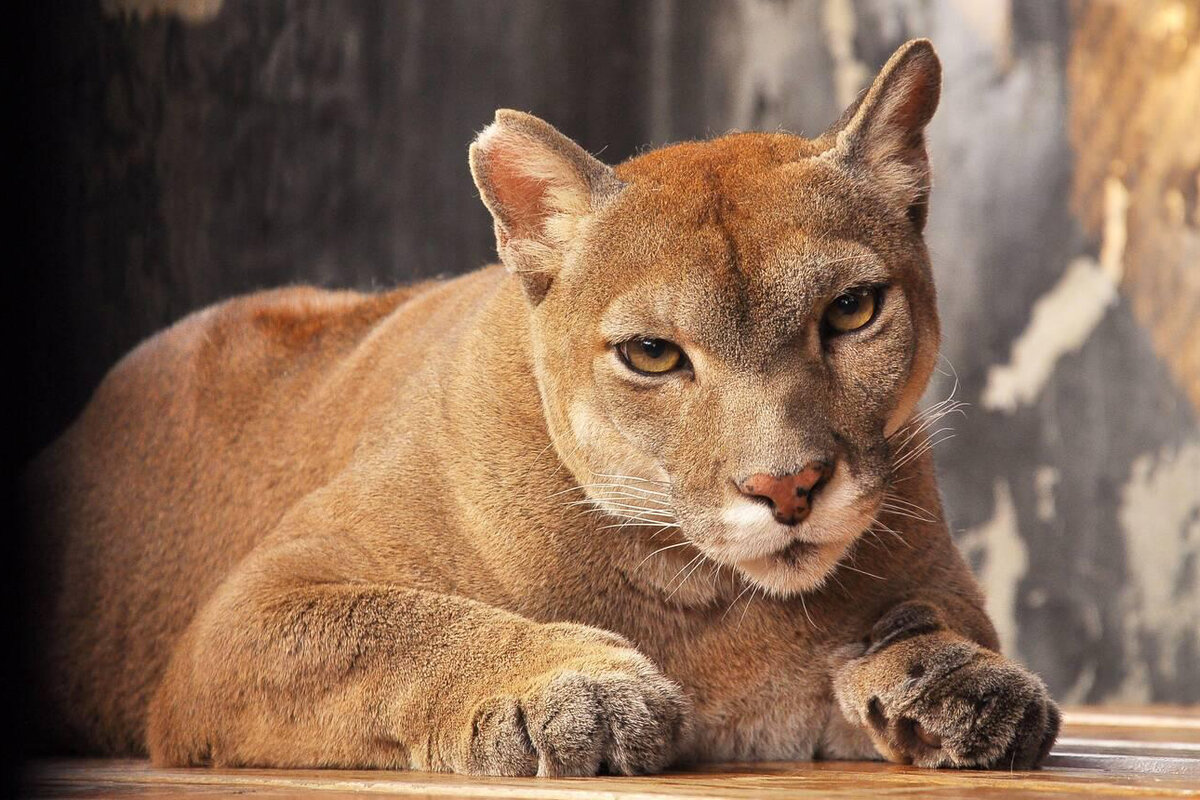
(652,356)
(852,310)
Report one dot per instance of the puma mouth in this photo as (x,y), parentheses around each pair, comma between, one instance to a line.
(797,551)
(799,566)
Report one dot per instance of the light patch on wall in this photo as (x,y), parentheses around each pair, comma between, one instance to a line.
(992,23)
(1064,317)
(850,75)
(767,59)
(1160,521)
(187,10)
(1005,562)
(1045,480)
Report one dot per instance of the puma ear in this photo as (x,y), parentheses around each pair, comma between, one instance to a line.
(538,184)
(883,132)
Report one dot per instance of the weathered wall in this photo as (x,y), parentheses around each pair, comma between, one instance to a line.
(186,156)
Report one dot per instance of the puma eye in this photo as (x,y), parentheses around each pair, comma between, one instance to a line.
(652,356)
(852,310)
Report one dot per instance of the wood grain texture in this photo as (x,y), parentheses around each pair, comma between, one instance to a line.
(1102,754)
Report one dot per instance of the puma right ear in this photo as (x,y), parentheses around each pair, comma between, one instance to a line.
(538,184)
(884,131)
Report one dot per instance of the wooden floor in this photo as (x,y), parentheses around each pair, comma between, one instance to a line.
(1101,753)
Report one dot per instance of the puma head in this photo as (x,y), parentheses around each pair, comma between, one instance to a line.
(725,333)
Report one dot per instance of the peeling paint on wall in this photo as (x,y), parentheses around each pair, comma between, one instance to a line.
(1134,71)
(1080,692)
(1063,318)
(771,61)
(1045,479)
(1160,520)
(997,543)
(991,21)
(850,75)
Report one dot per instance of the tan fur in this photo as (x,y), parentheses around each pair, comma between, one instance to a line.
(444,528)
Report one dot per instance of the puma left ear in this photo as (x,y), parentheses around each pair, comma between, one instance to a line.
(884,131)
(538,184)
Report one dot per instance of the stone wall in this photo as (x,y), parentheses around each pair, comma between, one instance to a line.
(182,152)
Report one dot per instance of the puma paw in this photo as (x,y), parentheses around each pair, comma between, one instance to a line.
(620,715)
(938,700)
(988,713)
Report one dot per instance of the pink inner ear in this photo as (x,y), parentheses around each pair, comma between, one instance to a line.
(520,198)
(915,94)
(910,112)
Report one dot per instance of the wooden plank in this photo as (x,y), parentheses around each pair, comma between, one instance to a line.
(768,780)
(1130,759)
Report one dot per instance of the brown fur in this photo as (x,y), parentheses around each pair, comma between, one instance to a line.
(444,528)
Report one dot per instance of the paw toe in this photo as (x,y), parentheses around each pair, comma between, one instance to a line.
(500,743)
(645,720)
(566,724)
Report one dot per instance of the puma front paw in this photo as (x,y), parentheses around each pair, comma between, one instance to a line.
(608,710)
(936,699)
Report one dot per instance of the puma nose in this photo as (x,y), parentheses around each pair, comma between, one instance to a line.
(790,496)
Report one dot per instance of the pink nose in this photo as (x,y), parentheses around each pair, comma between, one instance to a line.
(790,496)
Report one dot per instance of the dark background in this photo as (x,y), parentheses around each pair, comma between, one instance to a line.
(174,158)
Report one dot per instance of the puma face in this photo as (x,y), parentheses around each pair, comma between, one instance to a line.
(725,333)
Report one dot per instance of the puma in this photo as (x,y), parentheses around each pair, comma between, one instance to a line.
(654,490)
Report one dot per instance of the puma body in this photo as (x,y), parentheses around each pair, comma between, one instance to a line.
(452,527)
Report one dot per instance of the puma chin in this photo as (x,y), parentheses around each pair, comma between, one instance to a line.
(786,559)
